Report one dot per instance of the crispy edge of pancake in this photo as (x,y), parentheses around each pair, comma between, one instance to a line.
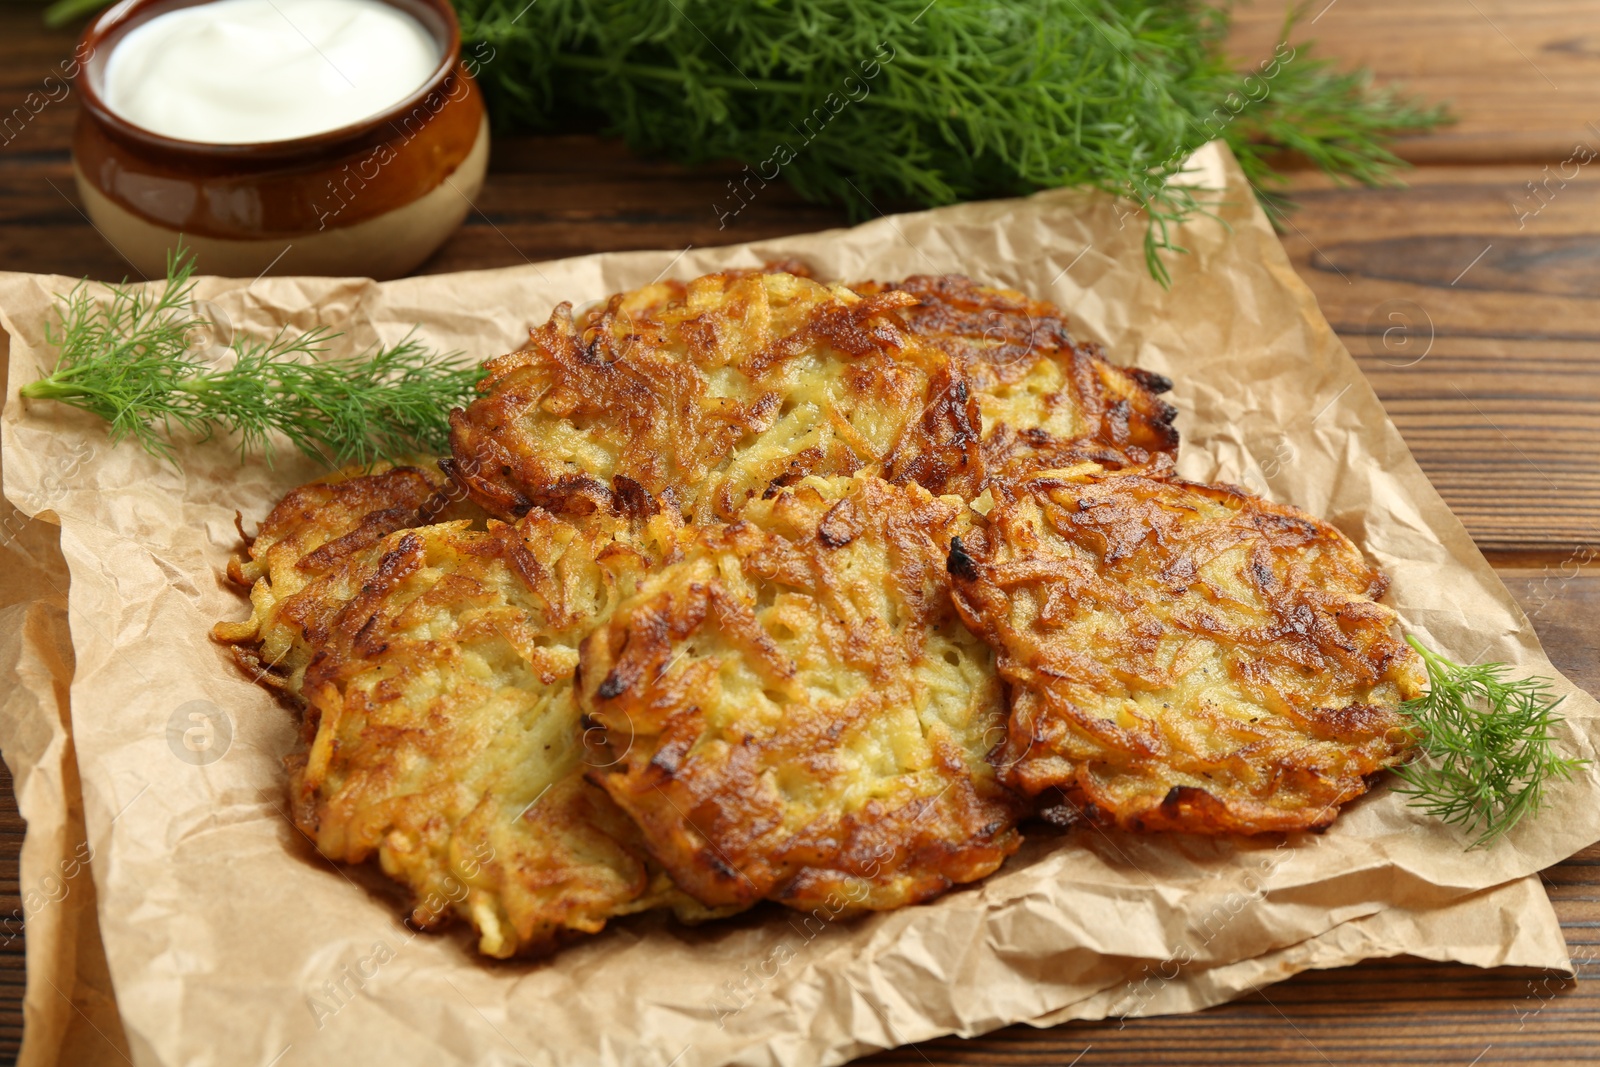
(1182,656)
(703,399)
(1018,354)
(794,711)
(649,300)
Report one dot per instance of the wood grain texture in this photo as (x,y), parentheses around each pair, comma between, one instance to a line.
(1479,330)
(1522,76)
(1501,408)
(12,942)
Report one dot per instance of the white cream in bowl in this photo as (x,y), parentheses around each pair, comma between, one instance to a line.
(251,71)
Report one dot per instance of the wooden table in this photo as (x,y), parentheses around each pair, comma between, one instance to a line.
(1492,257)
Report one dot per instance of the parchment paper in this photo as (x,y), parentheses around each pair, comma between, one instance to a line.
(230,942)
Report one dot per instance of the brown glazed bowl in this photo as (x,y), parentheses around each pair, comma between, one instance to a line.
(375,198)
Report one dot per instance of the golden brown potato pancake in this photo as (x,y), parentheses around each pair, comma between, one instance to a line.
(444,738)
(440,731)
(793,711)
(1184,657)
(1046,400)
(701,397)
(311,533)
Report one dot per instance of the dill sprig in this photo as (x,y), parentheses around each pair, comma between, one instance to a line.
(874,104)
(130,359)
(1485,745)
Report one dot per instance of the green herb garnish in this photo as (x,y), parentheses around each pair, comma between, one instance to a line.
(130,359)
(877,103)
(1485,745)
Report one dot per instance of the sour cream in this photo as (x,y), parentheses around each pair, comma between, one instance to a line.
(245,71)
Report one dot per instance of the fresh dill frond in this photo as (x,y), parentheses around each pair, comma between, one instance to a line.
(1486,745)
(876,104)
(1337,120)
(130,359)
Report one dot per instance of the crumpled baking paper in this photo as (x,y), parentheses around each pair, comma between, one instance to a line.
(229,941)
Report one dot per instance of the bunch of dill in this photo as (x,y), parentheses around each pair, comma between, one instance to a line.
(880,103)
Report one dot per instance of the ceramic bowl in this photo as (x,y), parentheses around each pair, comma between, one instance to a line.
(375,198)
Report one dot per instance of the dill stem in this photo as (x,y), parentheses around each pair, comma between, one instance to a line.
(1427,654)
(50,389)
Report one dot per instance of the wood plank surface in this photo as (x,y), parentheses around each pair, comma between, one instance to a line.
(12,943)
(1479,335)
(1523,76)
(1470,300)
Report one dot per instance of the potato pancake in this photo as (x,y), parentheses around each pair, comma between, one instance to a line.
(701,397)
(1181,656)
(440,728)
(310,533)
(793,710)
(1046,400)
